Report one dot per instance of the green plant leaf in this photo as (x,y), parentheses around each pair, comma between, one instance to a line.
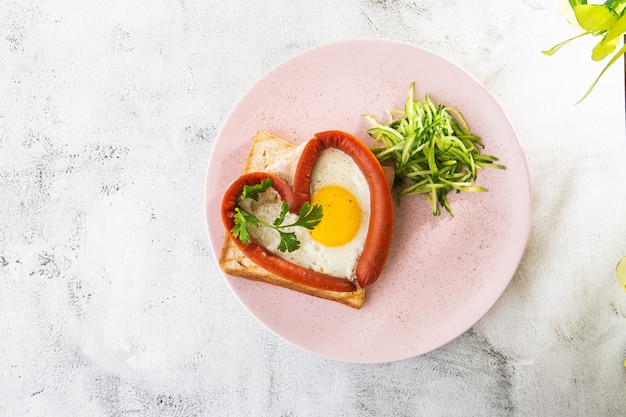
(616,30)
(574,3)
(611,38)
(603,49)
(595,17)
(617,6)
(555,48)
(617,56)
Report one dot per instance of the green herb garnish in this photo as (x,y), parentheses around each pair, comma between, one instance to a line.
(607,20)
(434,153)
(253,191)
(309,217)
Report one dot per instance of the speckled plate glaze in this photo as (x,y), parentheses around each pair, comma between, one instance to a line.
(443,274)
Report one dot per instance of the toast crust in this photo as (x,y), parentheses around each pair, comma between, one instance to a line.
(265,149)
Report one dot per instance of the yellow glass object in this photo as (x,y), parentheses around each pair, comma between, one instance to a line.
(620,272)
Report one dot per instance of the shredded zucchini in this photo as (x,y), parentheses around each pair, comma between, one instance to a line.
(432,149)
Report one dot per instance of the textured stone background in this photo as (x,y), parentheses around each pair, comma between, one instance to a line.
(111,303)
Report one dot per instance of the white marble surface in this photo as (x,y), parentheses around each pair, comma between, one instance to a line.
(111,303)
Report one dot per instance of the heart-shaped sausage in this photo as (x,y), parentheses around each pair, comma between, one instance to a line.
(377,242)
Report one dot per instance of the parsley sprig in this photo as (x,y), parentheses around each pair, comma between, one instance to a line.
(308,217)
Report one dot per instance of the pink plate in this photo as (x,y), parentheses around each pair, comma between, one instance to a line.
(443,274)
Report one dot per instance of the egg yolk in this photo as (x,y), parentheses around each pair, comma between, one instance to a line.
(341,216)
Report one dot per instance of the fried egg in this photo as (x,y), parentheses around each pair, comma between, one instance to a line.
(334,246)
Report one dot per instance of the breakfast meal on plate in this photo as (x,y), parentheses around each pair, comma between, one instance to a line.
(316,218)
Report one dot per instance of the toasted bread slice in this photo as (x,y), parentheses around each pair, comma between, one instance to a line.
(265,149)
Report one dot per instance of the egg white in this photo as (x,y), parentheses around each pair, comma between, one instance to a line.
(333,167)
